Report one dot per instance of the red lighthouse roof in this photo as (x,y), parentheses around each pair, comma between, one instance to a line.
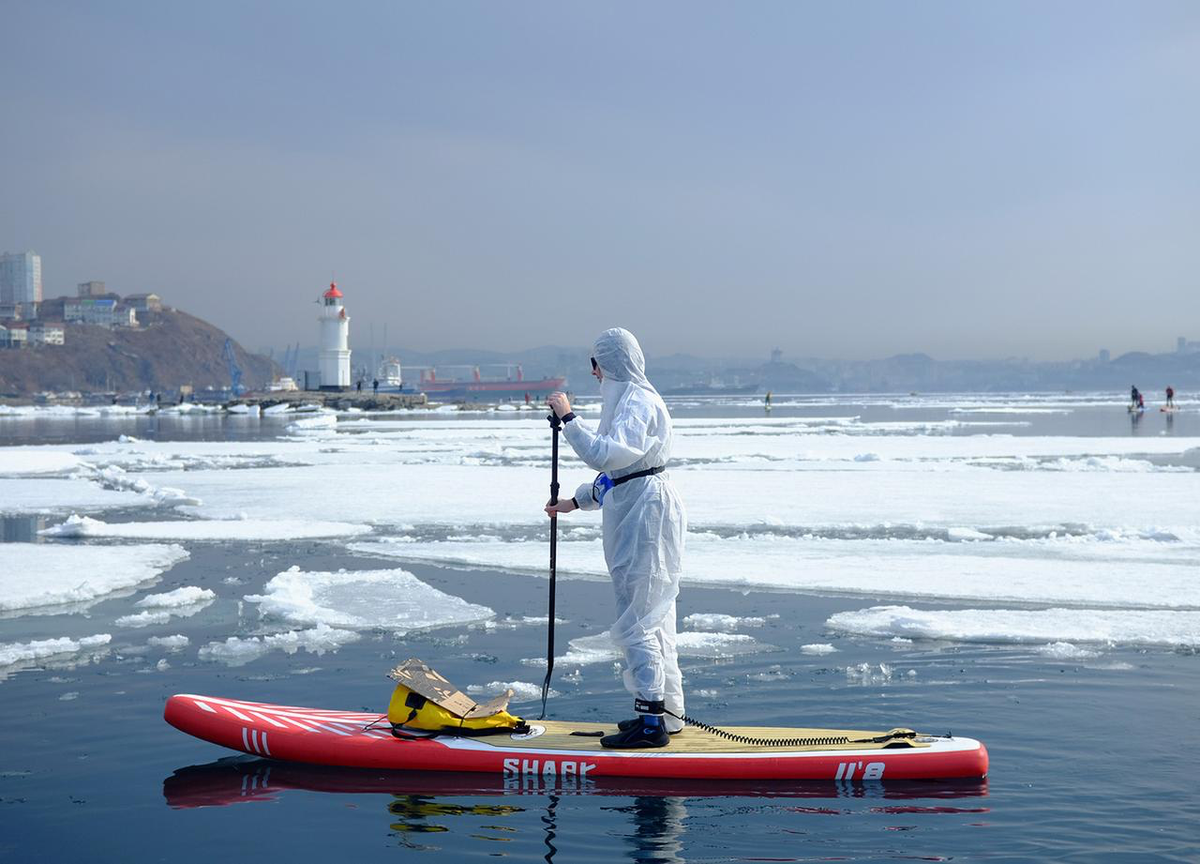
(332,292)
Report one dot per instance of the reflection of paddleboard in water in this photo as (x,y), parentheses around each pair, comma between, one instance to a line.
(572,750)
(1133,409)
(239,779)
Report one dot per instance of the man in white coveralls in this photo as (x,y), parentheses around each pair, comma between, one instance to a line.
(644,527)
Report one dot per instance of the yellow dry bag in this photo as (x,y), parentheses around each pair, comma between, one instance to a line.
(423,700)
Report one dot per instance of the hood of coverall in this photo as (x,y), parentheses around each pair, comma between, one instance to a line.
(620,358)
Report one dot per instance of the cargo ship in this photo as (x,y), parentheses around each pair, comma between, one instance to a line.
(513,387)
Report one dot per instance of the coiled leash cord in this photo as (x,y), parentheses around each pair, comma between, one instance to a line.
(896,735)
(762,742)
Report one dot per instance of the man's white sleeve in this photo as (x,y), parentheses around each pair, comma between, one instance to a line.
(583,496)
(625,444)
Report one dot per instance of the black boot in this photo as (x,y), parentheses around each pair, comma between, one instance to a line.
(640,734)
(634,722)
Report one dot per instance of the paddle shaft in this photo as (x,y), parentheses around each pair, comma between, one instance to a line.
(555,426)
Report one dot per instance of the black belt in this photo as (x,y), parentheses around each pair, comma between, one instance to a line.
(645,472)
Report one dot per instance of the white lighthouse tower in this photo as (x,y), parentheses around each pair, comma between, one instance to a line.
(335,341)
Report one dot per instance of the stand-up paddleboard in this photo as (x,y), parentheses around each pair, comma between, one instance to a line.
(553,749)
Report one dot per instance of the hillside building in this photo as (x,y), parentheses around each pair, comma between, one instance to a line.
(102,311)
(44,333)
(334,357)
(18,311)
(93,288)
(14,336)
(20,277)
(144,302)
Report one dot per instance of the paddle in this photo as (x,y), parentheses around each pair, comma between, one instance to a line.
(555,426)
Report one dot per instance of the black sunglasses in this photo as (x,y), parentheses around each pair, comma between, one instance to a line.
(594,366)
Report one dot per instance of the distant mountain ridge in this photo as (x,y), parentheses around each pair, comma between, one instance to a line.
(900,373)
(170,349)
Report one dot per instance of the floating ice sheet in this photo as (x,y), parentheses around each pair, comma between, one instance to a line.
(938,493)
(186,596)
(160,608)
(63,651)
(171,643)
(600,648)
(720,622)
(1118,627)
(23,461)
(197,530)
(523,691)
(238,651)
(17,652)
(46,495)
(1067,651)
(1093,572)
(394,600)
(37,575)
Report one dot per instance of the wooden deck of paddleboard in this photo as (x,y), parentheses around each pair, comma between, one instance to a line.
(557,736)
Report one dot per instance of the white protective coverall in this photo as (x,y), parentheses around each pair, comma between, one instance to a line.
(644,520)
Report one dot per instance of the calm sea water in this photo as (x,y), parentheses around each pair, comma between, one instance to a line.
(1091,760)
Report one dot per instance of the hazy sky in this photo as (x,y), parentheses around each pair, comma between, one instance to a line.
(847,179)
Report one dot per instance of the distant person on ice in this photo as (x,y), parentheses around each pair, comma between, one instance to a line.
(1134,395)
(644,528)
(1170,396)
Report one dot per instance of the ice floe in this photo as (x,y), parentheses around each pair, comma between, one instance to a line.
(869,673)
(600,648)
(1039,626)
(523,691)
(238,651)
(721,622)
(160,608)
(1090,571)
(37,576)
(23,461)
(56,495)
(189,595)
(319,422)
(62,651)
(116,477)
(200,530)
(1067,651)
(394,600)
(172,643)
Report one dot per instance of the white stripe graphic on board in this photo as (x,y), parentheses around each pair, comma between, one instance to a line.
(296,722)
(238,714)
(268,719)
(245,741)
(329,728)
(254,740)
(265,748)
(205,706)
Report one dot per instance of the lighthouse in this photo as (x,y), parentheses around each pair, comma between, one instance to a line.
(335,341)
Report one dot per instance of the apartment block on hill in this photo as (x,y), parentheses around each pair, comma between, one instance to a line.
(102,311)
